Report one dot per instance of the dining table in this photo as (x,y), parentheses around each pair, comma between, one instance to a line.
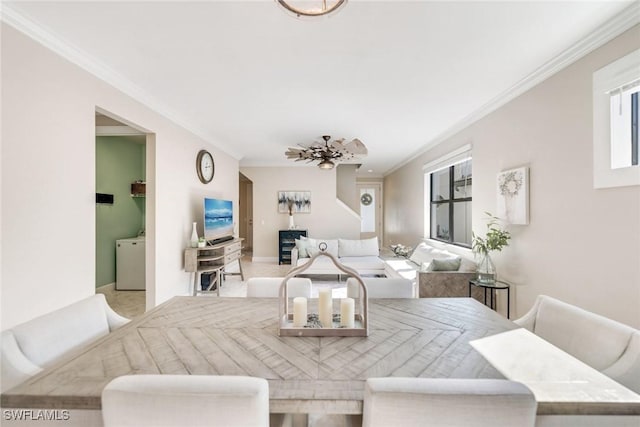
(206,335)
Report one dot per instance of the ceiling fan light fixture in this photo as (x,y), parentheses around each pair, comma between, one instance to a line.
(327,153)
(326,164)
(311,8)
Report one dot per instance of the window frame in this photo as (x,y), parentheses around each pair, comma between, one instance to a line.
(450,160)
(605,80)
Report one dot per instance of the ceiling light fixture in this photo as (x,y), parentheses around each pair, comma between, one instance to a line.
(312,8)
(328,153)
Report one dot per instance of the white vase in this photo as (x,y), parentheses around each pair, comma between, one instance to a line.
(194,236)
(292,226)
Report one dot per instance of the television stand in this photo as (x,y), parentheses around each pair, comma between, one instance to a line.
(214,258)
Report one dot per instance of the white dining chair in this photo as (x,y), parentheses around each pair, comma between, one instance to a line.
(382,287)
(418,402)
(186,400)
(269,287)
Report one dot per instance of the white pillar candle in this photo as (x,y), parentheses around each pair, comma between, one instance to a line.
(325,307)
(299,311)
(347,313)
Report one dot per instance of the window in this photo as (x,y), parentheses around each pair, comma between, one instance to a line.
(615,123)
(450,203)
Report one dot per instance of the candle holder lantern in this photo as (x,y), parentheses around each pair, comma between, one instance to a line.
(313,327)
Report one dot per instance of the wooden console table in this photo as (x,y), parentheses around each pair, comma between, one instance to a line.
(213,259)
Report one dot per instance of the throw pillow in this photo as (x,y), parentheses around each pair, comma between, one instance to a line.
(302,246)
(421,254)
(446,264)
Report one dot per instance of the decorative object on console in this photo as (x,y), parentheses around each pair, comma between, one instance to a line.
(495,240)
(332,6)
(194,236)
(328,153)
(513,196)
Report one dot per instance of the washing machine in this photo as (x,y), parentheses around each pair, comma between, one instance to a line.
(130,264)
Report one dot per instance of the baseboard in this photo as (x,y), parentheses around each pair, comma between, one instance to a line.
(265,259)
(109,287)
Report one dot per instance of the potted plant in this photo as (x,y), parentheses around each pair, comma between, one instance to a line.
(202,242)
(495,239)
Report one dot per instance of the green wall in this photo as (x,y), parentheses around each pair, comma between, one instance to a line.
(119,162)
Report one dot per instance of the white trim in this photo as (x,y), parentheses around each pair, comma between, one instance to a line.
(605,33)
(100,70)
(116,131)
(456,156)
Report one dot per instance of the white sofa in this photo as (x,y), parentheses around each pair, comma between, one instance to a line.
(31,346)
(360,255)
(604,344)
(433,281)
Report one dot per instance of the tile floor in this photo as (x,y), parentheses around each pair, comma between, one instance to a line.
(131,304)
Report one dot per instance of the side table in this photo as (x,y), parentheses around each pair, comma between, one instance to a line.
(493,287)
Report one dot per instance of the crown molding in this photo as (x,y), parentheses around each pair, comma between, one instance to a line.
(100,70)
(617,25)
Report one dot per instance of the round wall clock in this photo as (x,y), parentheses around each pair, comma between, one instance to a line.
(205,166)
(366,199)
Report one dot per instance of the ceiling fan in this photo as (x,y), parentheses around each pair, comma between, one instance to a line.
(328,153)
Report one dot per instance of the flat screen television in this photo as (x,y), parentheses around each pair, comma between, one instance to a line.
(218,220)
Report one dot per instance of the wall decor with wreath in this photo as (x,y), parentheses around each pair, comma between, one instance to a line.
(513,196)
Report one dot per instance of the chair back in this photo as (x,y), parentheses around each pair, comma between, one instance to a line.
(380,287)
(269,287)
(418,402)
(186,400)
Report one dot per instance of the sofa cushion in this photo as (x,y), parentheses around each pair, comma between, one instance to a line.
(446,264)
(361,247)
(45,338)
(594,339)
(363,262)
(332,245)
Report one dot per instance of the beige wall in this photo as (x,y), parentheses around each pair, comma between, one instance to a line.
(328,218)
(48,183)
(582,245)
(346,186)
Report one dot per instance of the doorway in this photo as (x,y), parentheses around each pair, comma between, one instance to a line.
(370,196)
(246,212)
(125,217)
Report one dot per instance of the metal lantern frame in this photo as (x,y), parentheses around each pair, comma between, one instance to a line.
(286,328)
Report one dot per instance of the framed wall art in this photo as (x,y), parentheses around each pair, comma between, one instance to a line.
(513,196)
(299,201)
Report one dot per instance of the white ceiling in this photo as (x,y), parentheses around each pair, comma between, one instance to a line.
(253,80)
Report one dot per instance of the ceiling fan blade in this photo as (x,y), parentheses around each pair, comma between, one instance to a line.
(356,148)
